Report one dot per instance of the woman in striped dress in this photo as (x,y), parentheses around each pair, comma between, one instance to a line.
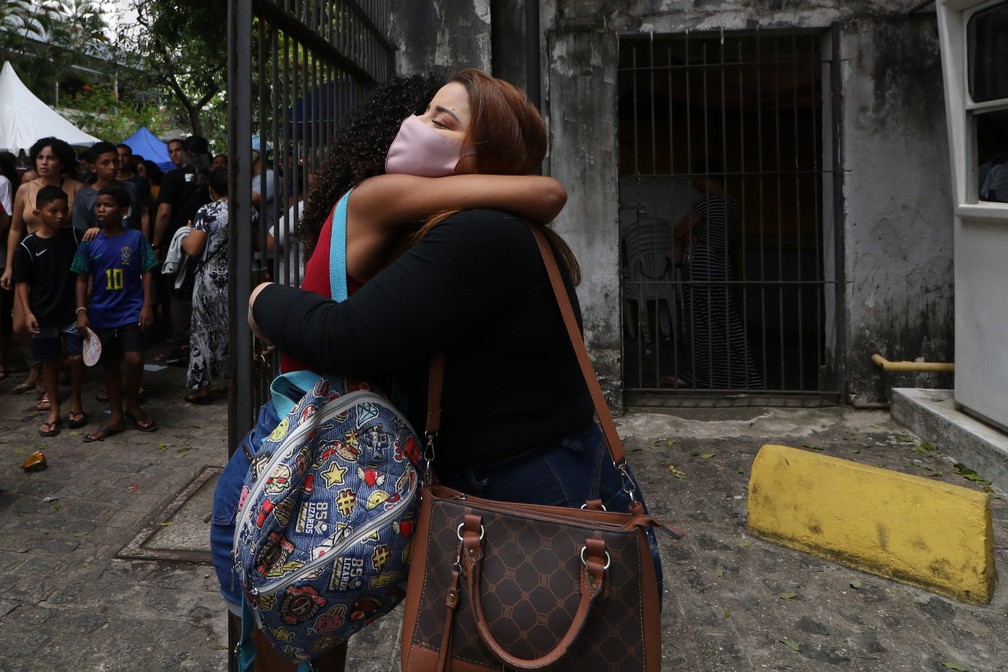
(718,356)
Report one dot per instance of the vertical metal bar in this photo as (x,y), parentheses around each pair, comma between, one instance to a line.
(240,205)
(743,185)
(655,291)
(706,283)
(815,72)
(676,290)
(761,196)
(690,284)
(780,232)
(637,288)
(800,286)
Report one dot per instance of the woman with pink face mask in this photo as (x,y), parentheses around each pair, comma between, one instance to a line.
(422,156)
(517,418)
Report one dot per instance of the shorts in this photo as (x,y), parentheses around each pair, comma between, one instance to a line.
(51,341)
(225,506)
(127,338)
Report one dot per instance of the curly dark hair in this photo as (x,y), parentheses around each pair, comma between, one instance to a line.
(8,168)
(60,149)
(362,145)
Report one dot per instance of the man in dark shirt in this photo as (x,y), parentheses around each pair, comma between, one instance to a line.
(183,192)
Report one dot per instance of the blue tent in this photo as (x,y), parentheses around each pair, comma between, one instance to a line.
(144,143)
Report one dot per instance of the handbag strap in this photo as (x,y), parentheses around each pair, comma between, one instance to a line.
(595,561)
(605,418)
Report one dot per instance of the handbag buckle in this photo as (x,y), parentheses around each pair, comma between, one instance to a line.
(458,532)
(584,560)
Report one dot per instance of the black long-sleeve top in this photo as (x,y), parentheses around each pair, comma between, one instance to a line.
(476,288)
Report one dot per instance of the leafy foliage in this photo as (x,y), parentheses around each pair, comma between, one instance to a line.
(98,111)
(182,45)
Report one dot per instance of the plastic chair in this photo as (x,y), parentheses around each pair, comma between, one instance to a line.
(649,276)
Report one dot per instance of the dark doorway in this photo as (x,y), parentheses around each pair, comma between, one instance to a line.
(732,128)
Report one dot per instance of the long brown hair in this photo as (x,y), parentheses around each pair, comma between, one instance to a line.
(506,136)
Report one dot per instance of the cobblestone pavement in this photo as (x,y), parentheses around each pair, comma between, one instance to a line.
(102,554)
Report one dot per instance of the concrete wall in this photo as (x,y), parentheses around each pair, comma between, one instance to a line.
(897,224)
(441,34)
(898,202)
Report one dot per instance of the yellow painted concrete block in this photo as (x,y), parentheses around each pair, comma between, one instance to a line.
(922,532)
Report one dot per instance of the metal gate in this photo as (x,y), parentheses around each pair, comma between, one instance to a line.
(730,255)
(295,69)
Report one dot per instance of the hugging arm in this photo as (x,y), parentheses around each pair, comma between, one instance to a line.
(451,282)
(398,200)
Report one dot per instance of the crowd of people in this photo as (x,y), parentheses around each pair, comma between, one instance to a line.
(84,241)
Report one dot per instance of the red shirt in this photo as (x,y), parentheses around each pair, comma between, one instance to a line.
(316,279)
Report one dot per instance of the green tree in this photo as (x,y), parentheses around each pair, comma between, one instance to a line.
(107,116)
(183,46)
(75,28)
(22,23)
(18,19)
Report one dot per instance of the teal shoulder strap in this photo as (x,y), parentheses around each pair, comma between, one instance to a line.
(337,252)
(287,389)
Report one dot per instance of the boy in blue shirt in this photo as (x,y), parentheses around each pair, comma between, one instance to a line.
(119,263)
(45,288)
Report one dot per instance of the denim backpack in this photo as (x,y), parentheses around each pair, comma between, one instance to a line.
(327,510)
(326,516)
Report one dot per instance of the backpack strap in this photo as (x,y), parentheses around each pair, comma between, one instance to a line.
(287,389)
(337,252)
(245,650)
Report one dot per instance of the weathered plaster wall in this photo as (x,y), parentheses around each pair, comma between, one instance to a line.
(898,220)
(581,104)
(441,34)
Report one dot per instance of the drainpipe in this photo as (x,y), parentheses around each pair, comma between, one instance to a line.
(912,367)
(532,78)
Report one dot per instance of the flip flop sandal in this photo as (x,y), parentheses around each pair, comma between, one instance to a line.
(77,420)
(21,388)
(101,434)
(44,404)
(144,424)
(51,428)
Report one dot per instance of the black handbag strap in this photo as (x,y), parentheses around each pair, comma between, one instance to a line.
(605,419)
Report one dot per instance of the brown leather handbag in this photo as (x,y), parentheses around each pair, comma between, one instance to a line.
(499,585)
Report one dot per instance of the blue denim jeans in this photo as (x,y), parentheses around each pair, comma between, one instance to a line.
(571,472)
(225,506)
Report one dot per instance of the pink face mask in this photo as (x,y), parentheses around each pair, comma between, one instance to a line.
(420,150)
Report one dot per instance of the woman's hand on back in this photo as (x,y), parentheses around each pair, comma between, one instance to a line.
(251,320)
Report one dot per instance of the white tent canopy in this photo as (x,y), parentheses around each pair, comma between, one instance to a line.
(24,118)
